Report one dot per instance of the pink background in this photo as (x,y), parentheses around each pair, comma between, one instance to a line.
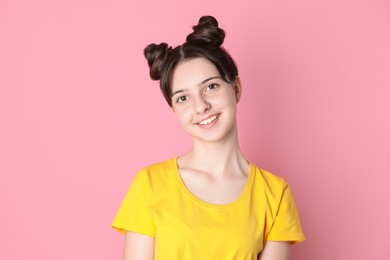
(79,116)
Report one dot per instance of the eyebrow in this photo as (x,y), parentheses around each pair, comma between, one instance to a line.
(204,81)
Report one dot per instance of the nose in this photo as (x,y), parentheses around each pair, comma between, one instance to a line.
(201,104)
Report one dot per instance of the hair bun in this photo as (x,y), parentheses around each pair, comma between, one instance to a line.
(207,32)
(156,55)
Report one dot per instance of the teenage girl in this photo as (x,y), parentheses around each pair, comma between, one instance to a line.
(209,203)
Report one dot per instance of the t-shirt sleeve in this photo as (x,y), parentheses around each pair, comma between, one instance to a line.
(133,214)
(286,226)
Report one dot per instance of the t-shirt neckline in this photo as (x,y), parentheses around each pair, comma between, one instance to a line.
(201,202)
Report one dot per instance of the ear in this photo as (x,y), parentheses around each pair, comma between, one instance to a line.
(238,89)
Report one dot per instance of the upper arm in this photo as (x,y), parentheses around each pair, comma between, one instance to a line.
(276,250)
(138,247)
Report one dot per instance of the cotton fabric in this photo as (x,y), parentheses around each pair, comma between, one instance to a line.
(158,204)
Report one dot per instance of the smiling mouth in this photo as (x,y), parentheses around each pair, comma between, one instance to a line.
(208,120)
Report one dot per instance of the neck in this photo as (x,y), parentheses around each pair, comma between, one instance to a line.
(219,158)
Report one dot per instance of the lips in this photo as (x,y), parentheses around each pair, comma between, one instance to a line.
(209,120)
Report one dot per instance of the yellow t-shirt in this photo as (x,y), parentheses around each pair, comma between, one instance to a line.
(158,204)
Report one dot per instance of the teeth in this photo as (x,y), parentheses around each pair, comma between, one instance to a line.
(208,120)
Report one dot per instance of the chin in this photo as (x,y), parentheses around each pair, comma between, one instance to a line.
(214,137)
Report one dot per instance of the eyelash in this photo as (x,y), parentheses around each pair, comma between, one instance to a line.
(212,84)
(179,100)
(207,88)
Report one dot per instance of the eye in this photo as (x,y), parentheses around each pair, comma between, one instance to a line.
(211,86)
(181,99)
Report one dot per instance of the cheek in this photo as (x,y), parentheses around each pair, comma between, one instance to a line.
(226,101)
(182,116)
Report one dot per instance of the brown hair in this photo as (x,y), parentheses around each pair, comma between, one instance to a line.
(204,42)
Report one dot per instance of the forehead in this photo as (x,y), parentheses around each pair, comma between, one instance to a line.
(192,72)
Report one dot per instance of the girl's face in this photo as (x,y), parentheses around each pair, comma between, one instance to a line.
(205,105)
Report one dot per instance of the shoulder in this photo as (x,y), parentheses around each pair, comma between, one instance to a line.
(157,174)
(161,167)
(268,182)
(268,177)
